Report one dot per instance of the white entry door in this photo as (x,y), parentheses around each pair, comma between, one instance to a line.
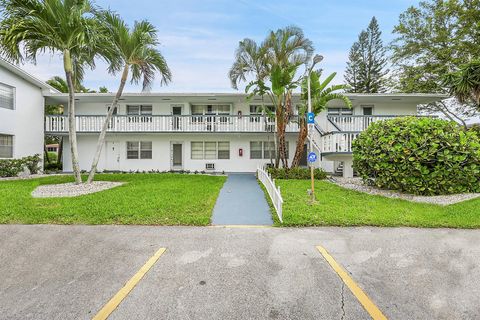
(112,155)
(176,155)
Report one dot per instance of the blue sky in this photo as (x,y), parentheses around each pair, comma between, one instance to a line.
(199,38)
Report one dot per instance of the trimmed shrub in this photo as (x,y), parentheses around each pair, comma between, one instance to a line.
(32,163)
(296,173)
(12,167)
(423,156)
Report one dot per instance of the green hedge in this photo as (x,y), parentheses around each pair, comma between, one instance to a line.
(423,156)
(12,167)
(296,173)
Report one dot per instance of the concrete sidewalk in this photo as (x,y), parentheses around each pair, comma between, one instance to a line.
(70,272)
(241,201)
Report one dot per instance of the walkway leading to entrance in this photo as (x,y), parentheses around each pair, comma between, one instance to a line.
(241,201)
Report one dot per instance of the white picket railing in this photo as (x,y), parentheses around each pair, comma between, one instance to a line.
(273,191)
(161,123)
(338,142)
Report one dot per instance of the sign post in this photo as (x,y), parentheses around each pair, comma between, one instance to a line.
(311,123)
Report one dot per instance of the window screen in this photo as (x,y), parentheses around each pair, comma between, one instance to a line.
(6,96)
(197,150)
(6,146)
(224,150)
(255,149)
(210,150)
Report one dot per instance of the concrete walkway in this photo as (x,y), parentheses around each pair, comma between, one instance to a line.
(241,201)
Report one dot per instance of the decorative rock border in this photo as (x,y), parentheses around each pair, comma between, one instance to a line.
(71,189)
(443,200)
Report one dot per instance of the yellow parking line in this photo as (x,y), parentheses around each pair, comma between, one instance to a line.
(118,298)
(369,306)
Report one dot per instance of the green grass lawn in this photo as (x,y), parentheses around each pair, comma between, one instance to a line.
(148,199)
(337,206)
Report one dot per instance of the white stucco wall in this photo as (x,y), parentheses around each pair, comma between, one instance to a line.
(26,121)
(114,153)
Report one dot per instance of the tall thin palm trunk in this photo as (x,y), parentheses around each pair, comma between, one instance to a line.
(103,133)
(72,130)
(302,138)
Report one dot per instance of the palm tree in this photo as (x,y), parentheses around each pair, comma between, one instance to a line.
(68,27)
(464,84)
(134,50)
(274,65)
(320,96)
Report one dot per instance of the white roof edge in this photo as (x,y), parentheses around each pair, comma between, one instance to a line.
(27,76)
(226,94)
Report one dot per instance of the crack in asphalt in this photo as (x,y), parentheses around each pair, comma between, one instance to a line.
(343,301)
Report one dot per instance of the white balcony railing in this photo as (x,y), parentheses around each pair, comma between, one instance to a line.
(354,123)
(338,142)
(154,123)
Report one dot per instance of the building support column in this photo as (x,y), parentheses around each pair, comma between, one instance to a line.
(348,168)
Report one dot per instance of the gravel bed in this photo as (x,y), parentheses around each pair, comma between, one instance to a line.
(444,200)
(71,189)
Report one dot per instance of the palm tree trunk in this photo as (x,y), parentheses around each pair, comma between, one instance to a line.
(103,133)
(46,153)
(302,137)
(72,131)
(60,152)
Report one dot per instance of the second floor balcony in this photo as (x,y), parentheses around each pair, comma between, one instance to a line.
(160,123)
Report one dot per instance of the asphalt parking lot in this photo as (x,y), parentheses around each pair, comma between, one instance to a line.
(71,272)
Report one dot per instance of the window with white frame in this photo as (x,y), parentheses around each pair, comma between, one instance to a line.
(255,149)
(139,110)
(139,150)
(7,96)
(340,111)
(210,150)
(6,146)
(263,149)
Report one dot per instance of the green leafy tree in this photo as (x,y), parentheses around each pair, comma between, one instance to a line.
(433,39)
(134,51)
(68,27)
(321,94)
(367,66)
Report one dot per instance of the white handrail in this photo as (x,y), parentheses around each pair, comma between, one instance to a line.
(160,123)
(272,190)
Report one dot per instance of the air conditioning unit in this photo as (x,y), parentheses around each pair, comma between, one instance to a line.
(210,166)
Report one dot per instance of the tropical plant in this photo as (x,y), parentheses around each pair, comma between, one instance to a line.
(367,66)
(274,65)
(321,95)
(434,38)
(464,84)
(424,156)
(68,27)
(134,51)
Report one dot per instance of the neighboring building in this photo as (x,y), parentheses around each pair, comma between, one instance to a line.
(21,112)
(213,132)
(52,147)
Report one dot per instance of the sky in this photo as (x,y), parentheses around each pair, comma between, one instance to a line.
(198,38)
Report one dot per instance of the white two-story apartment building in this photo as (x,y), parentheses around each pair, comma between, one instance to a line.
(21,112)
(214,132)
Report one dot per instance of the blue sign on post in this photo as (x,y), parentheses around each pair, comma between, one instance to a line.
(312,157)
(310,117)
